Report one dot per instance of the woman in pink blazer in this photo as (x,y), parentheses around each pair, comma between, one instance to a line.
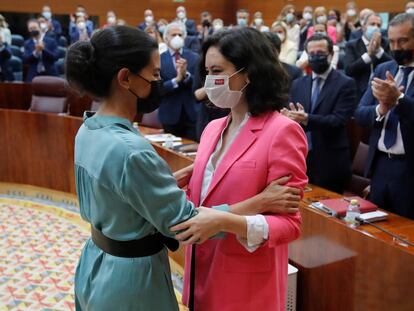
(238,156)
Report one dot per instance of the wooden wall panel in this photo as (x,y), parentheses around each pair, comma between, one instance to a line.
(130,10)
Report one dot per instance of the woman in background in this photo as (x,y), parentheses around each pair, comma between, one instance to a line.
(288,51)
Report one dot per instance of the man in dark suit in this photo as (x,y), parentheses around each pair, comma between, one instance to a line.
(40,53)
(293,71)
(178,109)
(6,74)
(323,103)
(388,108)
(148,20)
(189,23)
(363,55)
(56,27)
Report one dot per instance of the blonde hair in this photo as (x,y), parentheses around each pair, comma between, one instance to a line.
(3,22)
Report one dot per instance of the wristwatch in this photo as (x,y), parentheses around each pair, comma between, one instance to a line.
(400,97)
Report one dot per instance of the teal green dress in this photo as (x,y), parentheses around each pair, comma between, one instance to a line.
(128,192)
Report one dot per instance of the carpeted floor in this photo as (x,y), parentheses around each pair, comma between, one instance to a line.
(40,242)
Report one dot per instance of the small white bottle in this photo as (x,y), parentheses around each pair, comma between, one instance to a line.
(352,213)
(169,141)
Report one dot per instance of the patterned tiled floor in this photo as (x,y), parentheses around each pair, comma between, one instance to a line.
(40,245)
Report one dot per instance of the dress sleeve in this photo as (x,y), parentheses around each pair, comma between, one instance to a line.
(148,185)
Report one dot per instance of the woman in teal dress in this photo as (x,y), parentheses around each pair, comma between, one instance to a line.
(125,190)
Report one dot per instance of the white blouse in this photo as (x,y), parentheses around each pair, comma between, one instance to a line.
(257,226)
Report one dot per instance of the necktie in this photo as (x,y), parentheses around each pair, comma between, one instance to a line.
(177,56)
(390,136)
(316,89)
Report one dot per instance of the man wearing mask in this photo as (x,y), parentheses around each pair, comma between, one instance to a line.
(363,55)
(40,53)
(322,103)
(110,19)
(409,7)
(388,108)
(258,22)
(56,26)
(242,16)
(189,23)
(148,20)
(358,33)
(46,28)
(80,30)
(178,110)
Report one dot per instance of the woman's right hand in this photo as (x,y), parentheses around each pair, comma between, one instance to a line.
(278,198)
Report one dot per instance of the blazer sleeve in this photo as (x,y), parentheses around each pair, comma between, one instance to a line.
(354,64)
(344,108)
(287,156)
(50,52)
(28,56)
(365,114)
(5,54)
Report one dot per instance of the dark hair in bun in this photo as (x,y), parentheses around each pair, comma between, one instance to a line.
(90,66)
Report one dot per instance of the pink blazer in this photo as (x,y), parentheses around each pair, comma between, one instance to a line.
(331,33)
(228,277)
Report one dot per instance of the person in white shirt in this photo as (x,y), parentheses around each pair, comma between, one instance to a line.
(289,51)
(4,30)
(288,16)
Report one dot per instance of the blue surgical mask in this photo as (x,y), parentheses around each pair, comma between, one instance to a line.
(241,22)
(290,17)
(370,32)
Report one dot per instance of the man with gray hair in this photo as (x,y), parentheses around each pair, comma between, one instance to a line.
(178,110)
(388,108)
(356,34)
(363,55)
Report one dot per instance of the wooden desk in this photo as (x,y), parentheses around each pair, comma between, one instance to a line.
(341,268)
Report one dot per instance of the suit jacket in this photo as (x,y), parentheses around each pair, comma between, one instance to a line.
(57,28)
(50,55)
(293,72)
(228,277)
(327,123)
(355,66)
(365,115)
(190,25)
(193,43)
(6,71)
(177,100)
(304,35)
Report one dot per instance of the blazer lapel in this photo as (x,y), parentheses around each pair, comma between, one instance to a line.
(203,155)
(239,146)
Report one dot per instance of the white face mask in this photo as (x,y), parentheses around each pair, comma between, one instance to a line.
(321,19)
(307,16)
(111,20)
(181,15)
(351,12)
(219,93)
(258,21)
(43,27)
(47,14)
(410,11)
(217,27)
(149,19)
(177,42)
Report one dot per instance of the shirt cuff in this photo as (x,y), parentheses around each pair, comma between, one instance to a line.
(187,77)
(379,117)
(366,58)
(379,53)
(257,232)
(174,83)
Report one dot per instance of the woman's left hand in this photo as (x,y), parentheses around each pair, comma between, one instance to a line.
(198,229)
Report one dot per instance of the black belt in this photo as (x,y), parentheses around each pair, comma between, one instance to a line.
(392,155)
(146,246)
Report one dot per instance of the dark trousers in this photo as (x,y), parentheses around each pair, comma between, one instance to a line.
(391,185)
(183,128)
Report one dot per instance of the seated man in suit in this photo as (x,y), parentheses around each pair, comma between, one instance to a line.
(40,53)
(6,74)
(293,71)
(189,23)
(363,55)
(388,108)
(148,20)
(178,109)
(323,103)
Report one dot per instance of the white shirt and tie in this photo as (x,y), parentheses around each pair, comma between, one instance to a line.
(398,147)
